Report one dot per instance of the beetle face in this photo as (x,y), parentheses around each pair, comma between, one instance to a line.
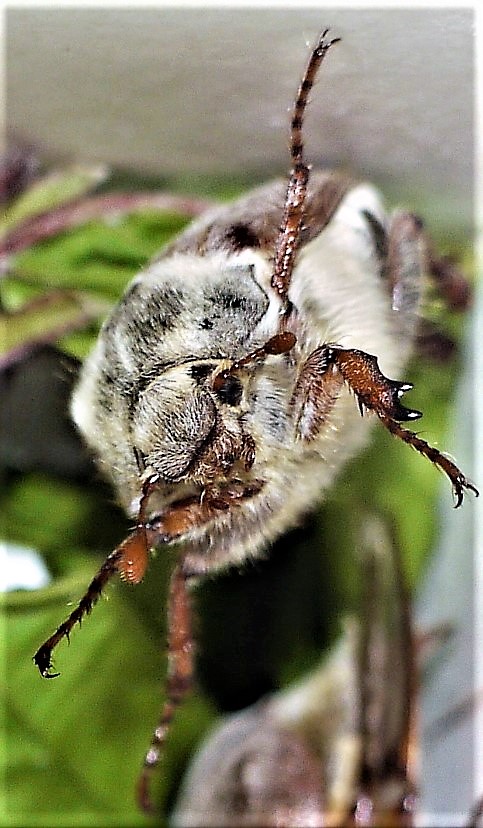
(186,430)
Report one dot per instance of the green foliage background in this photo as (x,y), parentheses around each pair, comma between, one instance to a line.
(73,746)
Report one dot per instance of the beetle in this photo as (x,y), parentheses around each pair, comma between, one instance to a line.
(219,396)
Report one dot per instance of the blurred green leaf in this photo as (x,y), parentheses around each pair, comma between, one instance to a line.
(98,257)
(66,738)
(64,283)
(56,188)
(51,516)
(44,319)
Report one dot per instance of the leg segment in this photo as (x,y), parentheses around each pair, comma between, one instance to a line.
(279,344)
(406,264)
(373,390)
(377,393)
(316,390)
(322,377)
(180,675)
(43,656)
(129,559)
(410,259)
(451,470)
(320,381)
(451,283)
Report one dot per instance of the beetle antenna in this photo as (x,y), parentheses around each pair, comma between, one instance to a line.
(289,236)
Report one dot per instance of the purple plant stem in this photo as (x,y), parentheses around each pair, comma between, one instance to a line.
(71,215)
(80,318)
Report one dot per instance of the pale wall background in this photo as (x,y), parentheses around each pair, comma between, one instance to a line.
(208,89)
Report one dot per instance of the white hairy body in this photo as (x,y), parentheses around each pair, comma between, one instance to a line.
(342,297)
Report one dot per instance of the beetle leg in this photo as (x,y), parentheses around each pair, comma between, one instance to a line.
(180,675)
(43,656)
(319,384)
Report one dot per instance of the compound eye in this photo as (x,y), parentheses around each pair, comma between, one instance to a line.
(230,391)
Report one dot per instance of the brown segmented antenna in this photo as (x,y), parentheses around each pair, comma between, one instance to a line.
(289,236)
(279,344)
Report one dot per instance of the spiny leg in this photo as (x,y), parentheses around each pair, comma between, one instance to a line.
(318,386)
(377,393)
(451,470)
(179,679)
(322,377)
(43,656)
(289,236)
(451,283)
(129,559)
(315,393)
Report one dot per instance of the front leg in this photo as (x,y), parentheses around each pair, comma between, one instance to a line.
(319,383)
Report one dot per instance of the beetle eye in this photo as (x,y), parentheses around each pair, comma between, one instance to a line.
(201,372)
(230,391)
